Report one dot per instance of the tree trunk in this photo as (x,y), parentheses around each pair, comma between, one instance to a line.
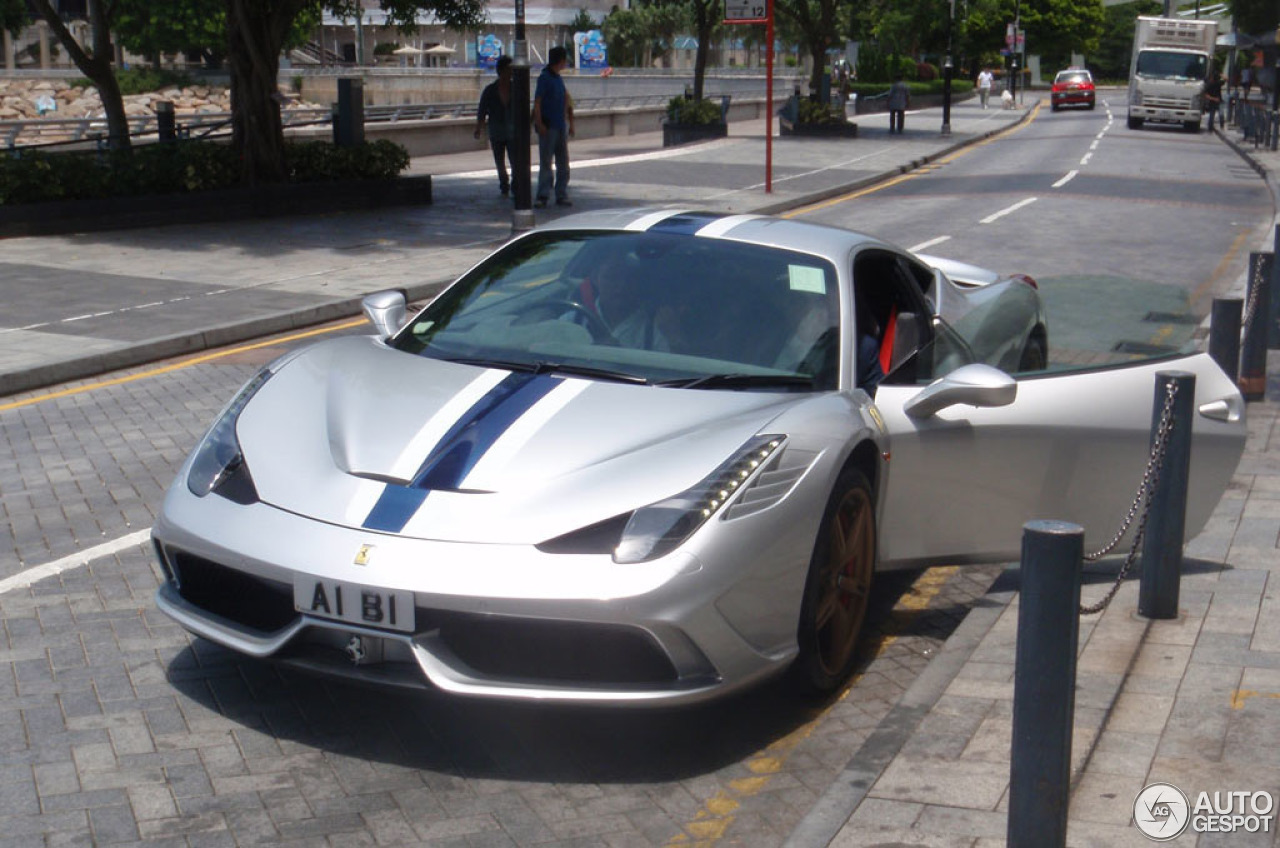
(256,36)
(818,53)
(96,67)
(704,23)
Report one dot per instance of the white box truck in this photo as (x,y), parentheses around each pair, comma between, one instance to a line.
(1172,59)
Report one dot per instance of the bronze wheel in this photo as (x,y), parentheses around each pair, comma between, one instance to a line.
(839,584)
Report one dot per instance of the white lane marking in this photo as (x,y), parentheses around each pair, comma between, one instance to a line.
(77,318)
(604,160)
(1093,146)
(1085,160)
(1008,210)
(1068,178)
(26,578)
(925,245)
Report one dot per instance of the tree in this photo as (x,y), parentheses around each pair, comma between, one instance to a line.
(1115,46)
(257,31)
(1256,17)
(176,26)
(706,17)
(582,22)
(815,24)
(94,63)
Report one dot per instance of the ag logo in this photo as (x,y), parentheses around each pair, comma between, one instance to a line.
(1161,811)
(362,557)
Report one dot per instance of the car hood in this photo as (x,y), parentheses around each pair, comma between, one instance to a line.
(354,433)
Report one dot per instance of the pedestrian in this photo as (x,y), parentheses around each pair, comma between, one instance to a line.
(985,80)
(1246,80)
(899,100)
(1213,98)
(552,122)
(495,110)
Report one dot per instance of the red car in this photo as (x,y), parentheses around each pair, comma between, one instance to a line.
(1073,86)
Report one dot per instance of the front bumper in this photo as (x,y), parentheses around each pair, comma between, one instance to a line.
(500,621)
(1164,113)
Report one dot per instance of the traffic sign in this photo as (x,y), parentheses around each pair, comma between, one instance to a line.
(745,12)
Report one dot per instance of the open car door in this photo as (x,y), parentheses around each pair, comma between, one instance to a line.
(962,479)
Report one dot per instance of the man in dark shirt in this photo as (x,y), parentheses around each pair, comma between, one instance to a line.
(1213,98)
(552,122)
(495,108)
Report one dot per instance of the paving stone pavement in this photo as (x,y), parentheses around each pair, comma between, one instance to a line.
(116,727)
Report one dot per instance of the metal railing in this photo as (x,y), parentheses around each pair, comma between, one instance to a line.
(48,132)
(1258,124)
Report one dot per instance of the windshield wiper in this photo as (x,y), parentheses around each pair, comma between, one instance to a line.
(545,367)
(741,381)
(542,367)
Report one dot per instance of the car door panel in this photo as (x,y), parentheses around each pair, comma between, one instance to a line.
(1071,446)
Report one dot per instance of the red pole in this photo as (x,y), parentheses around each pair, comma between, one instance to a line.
(768,115)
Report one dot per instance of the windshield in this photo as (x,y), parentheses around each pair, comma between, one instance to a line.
(663,308)
(1152,63)
(1072,76)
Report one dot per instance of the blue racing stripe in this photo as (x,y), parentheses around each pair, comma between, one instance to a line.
(476,431)
(394,508)
(687,224)
(460,449)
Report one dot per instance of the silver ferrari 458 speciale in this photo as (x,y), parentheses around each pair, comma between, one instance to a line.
(651,456)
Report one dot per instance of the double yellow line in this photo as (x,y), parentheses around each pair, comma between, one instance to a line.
(178,366)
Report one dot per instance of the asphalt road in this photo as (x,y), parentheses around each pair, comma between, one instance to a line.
(1129,233)
(117,727)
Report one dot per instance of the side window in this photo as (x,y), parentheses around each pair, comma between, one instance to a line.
(891,310)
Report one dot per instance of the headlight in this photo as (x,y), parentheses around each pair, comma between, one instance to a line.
(219,455)
(1195,103)
(1135,97)
(659,528)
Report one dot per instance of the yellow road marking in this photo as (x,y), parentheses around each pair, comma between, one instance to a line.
(1239,696)
(923,169)
(1221,269)
(177,366)
(712,821)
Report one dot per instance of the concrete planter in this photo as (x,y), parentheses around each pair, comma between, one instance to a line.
(674,134)
(115,213)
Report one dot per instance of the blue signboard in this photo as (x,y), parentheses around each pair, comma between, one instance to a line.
(488,49)
(591,49)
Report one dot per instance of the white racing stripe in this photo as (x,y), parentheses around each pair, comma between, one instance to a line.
(26,578)
(419,447)
(718,228)
(487,473)
(925,245)
(995,216)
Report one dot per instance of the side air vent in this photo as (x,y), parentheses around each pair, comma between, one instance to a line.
(772,484)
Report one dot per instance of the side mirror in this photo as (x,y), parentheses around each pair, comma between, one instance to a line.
(975,385)
(386,310)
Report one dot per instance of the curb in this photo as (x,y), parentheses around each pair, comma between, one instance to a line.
(179,344)
(129,356)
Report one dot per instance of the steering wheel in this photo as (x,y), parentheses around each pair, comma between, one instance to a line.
(596,325)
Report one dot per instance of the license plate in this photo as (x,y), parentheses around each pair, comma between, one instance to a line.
(353,603)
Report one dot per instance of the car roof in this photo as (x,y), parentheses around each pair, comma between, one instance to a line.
(833,243)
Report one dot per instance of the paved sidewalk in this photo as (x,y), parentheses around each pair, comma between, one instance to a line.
(86,304)
(1193,702)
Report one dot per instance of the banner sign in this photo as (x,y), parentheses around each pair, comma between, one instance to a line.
(592,52)
(488,49)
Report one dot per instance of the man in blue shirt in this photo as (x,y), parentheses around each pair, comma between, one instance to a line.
(552,121)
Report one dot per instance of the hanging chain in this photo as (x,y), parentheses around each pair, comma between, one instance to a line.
(1150,478)
(1251,306)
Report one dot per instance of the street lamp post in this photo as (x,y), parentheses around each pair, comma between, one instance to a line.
(522,217)
(947,72)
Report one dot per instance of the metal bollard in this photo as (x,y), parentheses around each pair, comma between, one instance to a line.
(166,121)
(1253,353)
(1224,334)
(1044,684)
(349,129)
(1167,514)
